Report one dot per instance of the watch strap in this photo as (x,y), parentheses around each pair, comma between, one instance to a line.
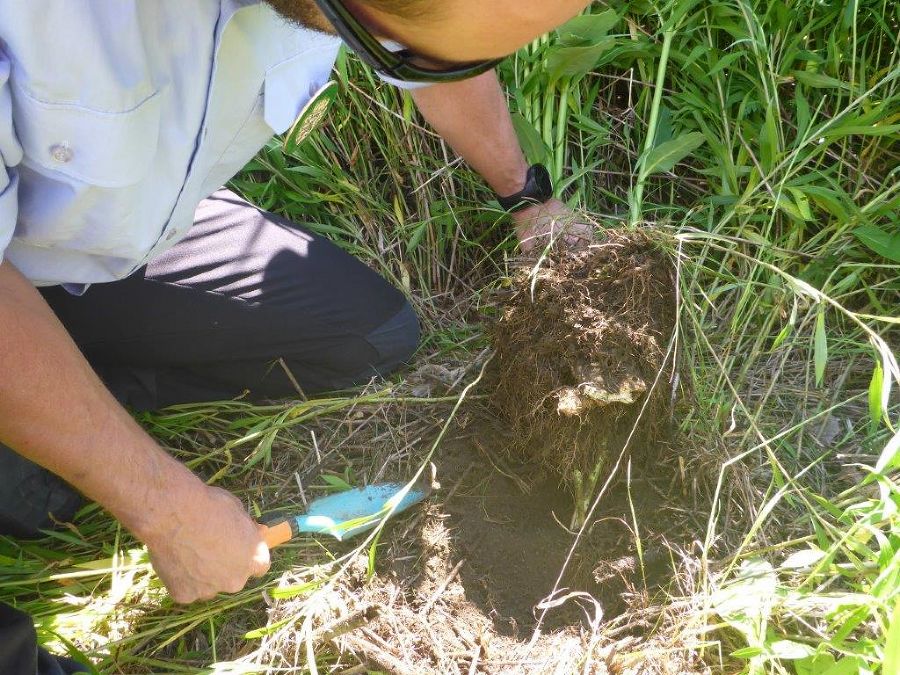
(538,189)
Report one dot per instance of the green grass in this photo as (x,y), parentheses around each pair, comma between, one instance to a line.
(760,139)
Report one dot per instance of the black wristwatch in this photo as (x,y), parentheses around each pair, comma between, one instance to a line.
(538,189)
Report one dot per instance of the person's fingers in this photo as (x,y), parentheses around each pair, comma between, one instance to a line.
(579,239)
(182,597)
(261,561)
(569,237)
(229,497)
(235,586)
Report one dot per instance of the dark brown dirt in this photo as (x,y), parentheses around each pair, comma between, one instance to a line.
(509,531)
(578,347)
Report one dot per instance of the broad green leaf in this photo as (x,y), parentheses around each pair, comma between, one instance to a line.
(885,244)
(575,62)
(824,664)
(726,61)
(891,662)
(782,16)
(788,328)
(598,131)
(587,28)
(372,557)
(696,53)
(834,201)
(769,141)
(254,423)
(263,450)
(747,652)
(847,666)
(746,602)
(398,211)
(786,204)
(803,559)
(664,127)
(802,202)
(679,11)
(876,405)
(418,233)
(819,81)
(782,336)
(288,592)
(530,139)
(806,55)
(790,650)
(268,630)
(890,457)
(801,105)
(862,130)
(663,157)
(821,348)
(336,482)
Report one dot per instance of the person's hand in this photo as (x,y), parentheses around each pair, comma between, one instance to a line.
(209,545)
(538,224)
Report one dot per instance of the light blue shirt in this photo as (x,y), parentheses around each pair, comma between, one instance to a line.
(117,117)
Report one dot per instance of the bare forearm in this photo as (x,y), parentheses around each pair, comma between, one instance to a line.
(473,117)
(55,411)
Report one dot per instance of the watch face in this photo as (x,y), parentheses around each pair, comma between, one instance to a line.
(542,180)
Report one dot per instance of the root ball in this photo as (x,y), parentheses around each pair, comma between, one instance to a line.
(578,348)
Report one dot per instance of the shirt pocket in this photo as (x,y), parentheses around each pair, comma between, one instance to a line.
(107,149)
(287,86)
(81,176)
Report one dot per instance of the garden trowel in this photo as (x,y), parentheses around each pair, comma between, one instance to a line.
(345,514)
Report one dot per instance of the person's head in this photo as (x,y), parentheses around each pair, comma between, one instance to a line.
(445,31)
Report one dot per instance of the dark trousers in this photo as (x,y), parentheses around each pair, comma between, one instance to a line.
(19,651)
(246,297)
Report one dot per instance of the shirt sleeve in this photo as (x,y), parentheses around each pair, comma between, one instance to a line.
(10,156)
(402,84)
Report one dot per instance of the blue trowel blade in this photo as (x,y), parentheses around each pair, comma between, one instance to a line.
(346,514)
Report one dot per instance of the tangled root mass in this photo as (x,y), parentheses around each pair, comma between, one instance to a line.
(578,348)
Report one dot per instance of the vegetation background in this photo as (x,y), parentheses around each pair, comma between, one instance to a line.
(758,140)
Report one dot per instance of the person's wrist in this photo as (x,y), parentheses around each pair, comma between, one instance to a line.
(169,492)
(512,180)
(537,190)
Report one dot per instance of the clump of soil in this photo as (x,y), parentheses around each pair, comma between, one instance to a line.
(578,348)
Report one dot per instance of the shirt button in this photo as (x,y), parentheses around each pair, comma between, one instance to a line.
(62,152)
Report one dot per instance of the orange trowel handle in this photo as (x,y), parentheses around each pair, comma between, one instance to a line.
(277,534)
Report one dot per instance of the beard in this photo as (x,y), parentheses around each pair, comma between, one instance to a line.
(303,13)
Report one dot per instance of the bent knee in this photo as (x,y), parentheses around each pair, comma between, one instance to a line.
(396,340)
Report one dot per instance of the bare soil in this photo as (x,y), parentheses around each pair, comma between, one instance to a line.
(461,581)
(509,529)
